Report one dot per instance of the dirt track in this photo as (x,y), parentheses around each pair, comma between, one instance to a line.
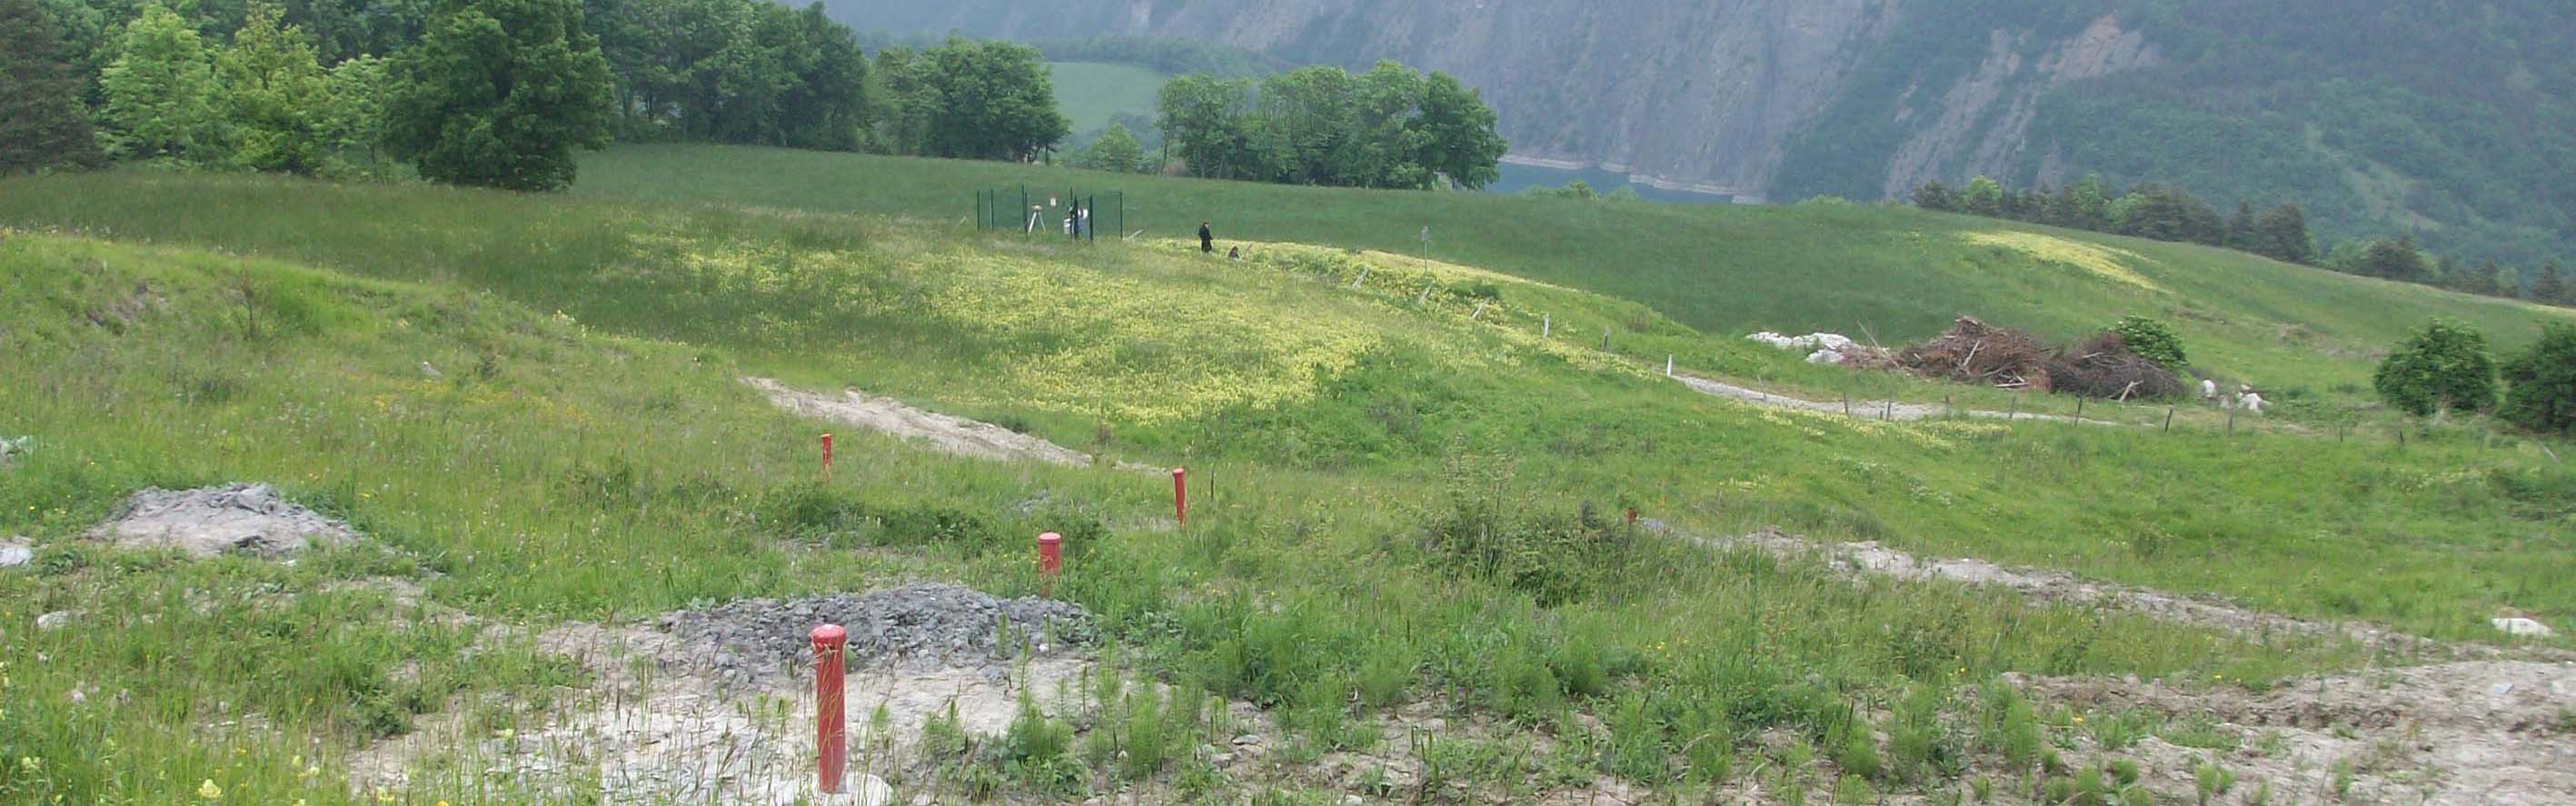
(1867,409)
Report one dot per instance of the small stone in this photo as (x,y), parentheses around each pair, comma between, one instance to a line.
(54,621)
(2522,627)
(15,554)
(2501,689)
(428,371)
(1247,740)
(1353,800)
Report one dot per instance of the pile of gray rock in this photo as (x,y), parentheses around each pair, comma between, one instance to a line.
(941,625)
(232,519)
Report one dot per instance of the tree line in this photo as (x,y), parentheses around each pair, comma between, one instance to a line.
(500,92)
(2281,233)
(1390,127)
(486,92)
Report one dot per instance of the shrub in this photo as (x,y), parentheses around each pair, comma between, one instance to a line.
(2443,366)
(2153,340)
(2542,391)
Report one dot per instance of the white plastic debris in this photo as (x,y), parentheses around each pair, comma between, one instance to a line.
(2523,627)
(1813,341)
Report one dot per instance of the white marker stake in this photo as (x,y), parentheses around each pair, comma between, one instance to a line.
(1546,325)
(1423,297)
(1668,365)
(1355,284)
(1480,311)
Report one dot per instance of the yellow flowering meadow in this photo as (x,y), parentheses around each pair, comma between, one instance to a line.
(2101,261)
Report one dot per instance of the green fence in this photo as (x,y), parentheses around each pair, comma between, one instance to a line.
(1069,213)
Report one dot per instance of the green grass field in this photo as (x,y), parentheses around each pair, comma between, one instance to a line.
(1901,274)
(1090,93)
(590,453)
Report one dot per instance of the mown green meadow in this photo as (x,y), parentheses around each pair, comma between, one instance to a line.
(1405,500)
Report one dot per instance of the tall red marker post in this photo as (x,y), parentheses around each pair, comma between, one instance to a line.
(827,456)
(831,727)
(1180,496)
(1050,553)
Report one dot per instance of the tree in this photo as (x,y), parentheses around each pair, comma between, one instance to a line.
(1984,197)
(2281,233)
(2551,286)
(901,101)
(2088,204)
(1936,196)
(826,106)
(273,95)
(355,121)
(498,93)
(996,102)
(2240,228)
(1116,150)
(160,91)
(2443,366)
(2394,259)
(1458,136)
(1202,118)
(2541,382)
(42,124)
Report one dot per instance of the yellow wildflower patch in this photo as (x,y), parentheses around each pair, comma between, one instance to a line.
(2100,261)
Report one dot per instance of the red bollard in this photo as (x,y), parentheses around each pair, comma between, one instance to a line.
(831,727)
(1050,553)
(827,456)
(1180,496)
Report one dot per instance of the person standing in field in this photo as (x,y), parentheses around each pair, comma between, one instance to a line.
(1207,239)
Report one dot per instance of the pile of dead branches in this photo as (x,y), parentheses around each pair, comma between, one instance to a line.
(1975,352)
(2102,367)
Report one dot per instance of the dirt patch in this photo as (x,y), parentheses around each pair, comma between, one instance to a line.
(247,519)
(2061,588)
(946,433)
(2489,732)
(716,705)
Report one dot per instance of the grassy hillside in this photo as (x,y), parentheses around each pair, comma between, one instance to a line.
(1091,93)
(1082,345)
(586,450)
(556,469)
(1901,274)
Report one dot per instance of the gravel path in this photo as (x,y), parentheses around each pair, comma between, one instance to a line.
(2061,588)
(1866,409)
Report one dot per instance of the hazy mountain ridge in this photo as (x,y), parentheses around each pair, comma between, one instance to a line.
(2445,117)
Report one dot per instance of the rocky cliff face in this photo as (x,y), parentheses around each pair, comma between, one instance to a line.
(1701,94)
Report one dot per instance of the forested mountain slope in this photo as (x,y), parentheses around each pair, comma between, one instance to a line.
(2452,119)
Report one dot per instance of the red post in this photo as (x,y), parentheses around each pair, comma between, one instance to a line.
(831,727)
(827,455)
(1180,496)
(1050,553)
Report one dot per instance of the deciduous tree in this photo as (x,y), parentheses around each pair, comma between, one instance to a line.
(499,93)
(160,91)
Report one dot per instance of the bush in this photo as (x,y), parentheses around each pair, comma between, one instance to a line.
(2153,340)
(2443,366)
(2542,395)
